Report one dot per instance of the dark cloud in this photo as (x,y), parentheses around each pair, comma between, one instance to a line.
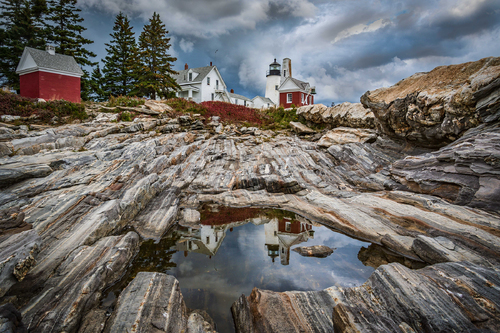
(344,47)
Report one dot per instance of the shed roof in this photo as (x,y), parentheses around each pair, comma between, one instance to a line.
(44,60)
(233,95)
(264,99)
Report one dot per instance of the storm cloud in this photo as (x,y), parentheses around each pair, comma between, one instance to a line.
(342,47)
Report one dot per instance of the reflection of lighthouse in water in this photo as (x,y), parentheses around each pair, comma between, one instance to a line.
(282,234)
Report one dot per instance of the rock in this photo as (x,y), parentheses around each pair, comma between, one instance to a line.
(78,282)
(154,300)
(300,128)
(343,135)
(105,117)
(319,251)
(466,172)
(341,115)
(197,125)
(18,255)
(435,108)
(9,118)
(10,320)
(139,110)
(157,106)
(13,174)
(185,120)
(219,129)
(452,297)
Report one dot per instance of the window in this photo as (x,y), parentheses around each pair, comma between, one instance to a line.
(289,98)
(190,76)
(284,73)
(302,98)
(216,84)
(288,226)
(276,87)
(235,101)
(310,99)
(245,103)
(213,97)
(208,83)
(208,240)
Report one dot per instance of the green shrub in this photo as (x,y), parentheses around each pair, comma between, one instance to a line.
(124,101)
(125,116)
(279,118)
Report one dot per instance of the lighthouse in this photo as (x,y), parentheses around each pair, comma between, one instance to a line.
(273,82)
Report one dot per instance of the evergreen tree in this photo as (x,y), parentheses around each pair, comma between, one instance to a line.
(154,73)
(121,62)
(96,83)
(66,35)
(21,25)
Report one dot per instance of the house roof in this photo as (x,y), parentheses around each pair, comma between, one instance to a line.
(233,95)
(264,99)
(202,72)
(43,60)
(301,84)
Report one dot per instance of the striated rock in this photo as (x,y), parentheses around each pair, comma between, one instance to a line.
(341,115)
(450,297)
(153,301)
(343,135)
(105,117)
(77,284)
(319,251)
(12,174)
(466,172)
(435,108)
(300,128)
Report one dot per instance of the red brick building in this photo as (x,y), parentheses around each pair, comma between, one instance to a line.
(296,92)
(48,75)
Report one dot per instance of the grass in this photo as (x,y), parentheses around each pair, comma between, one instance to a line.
(124,101)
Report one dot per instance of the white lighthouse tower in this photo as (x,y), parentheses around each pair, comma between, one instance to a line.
(273,82)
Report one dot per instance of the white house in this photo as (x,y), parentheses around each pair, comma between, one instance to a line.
(260,102)
(240,99)
(202,84)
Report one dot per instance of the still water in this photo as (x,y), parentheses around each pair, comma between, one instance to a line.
(235,250)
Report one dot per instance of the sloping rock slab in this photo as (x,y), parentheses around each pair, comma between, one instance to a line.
(300,128)
(153,302)
(450,297)
(77,284)
(435,108)
(343,135)
(318,251)
(346,115)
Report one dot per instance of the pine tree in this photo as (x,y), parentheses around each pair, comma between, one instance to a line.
(21,25)
(66,33)
(121,62)
(96,84)
(154,74)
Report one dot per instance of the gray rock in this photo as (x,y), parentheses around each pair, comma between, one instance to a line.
(300,128)
(12,174)
(319,251)
(10,320)
(343,135)
(154,300)
(341,115)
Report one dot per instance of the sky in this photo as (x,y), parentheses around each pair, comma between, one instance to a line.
(342,47)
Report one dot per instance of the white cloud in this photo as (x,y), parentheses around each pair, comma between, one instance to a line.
(361,28)
(186,45)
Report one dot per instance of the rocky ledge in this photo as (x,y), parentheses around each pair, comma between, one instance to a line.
(78,200)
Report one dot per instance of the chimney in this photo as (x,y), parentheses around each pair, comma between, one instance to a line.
(186,66)
(210,63)
(51,49)
(232,91)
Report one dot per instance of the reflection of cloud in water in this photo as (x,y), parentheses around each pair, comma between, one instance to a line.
(185,267)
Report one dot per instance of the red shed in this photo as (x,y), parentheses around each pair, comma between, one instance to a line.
(293,91)
(48,75)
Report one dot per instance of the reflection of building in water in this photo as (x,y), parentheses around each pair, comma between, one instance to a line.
(282,234)
(208,238)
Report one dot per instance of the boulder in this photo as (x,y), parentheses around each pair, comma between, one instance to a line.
(318,251)
(158,106)
(346,115)
(343,135)
(154,300)
(435,108)
(300,128)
